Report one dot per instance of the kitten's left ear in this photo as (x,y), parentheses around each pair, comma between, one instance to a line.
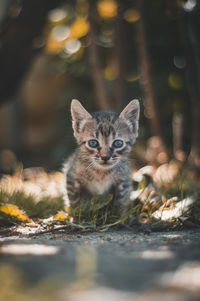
(131,115)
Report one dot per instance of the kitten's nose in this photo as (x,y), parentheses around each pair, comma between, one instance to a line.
(105,157)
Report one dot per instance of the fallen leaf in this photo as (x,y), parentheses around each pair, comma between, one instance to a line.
(61,215)
(14,211)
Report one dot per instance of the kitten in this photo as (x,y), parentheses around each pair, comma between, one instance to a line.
(100,164)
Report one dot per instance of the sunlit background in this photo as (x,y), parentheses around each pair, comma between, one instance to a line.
(103,53)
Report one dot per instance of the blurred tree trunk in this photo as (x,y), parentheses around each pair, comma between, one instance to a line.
(95,65)
(21,39)
(189,41)
(145,71)
(177,131)
(118,60)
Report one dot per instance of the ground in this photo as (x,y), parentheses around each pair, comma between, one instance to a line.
(49,251)
(112,265)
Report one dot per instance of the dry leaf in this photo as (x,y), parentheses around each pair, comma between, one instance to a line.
(14,211)
(60,216)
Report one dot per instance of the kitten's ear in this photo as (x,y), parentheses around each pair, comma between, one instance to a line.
(131,115)
(79,116)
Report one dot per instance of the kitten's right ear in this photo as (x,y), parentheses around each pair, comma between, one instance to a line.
(79,116)
(131,115)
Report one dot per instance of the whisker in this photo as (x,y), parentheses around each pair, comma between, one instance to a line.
(90,165)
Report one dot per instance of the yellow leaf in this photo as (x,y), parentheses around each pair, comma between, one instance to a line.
(61,215)
(14,211)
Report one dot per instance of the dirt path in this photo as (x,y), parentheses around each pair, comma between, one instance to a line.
(116,265)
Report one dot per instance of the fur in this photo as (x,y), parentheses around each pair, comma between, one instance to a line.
(104,168)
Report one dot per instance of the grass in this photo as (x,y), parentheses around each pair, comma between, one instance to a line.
(38,197)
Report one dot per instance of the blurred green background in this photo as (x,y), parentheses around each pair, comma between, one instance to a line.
(104,53)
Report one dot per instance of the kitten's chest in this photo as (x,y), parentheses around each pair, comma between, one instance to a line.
(99,185)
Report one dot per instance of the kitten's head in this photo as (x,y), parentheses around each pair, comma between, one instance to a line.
(105,137)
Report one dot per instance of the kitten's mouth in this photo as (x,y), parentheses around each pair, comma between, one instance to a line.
(105,165)
(108,163)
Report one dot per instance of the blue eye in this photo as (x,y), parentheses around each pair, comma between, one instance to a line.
(118,143)
(93,143)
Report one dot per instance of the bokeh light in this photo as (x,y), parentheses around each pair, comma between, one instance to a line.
(79,28)
(189,5)
(107,8)
(131,15)
(110,73)
(175,81)
(57,15)
(179,62)
(72,46)
(60,32)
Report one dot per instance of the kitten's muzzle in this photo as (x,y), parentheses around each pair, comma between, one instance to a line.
(105,158)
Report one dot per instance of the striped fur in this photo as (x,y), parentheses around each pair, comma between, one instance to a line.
(104,168)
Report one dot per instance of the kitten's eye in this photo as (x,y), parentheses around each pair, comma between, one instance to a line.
(93,143)
(118,143)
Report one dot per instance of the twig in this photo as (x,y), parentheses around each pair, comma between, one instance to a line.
(72,225)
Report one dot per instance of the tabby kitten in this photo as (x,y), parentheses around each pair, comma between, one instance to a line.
(100,164)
